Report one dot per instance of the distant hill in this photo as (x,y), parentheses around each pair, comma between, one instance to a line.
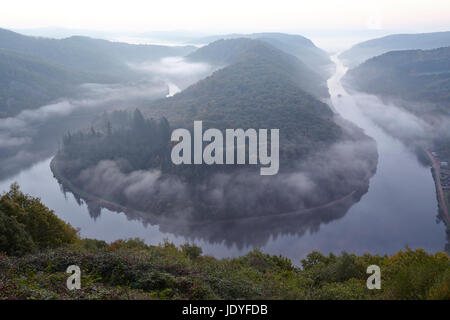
(27,82)
(412,75)
(83,54)
(226,52)
(368,49)
(222,52)
(37,70)
(296,45)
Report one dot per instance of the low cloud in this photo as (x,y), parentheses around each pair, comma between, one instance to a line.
(405,120)
(16,131)
(174,66)
(175,70)
(332,173)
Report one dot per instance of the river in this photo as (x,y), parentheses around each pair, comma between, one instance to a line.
(399,210)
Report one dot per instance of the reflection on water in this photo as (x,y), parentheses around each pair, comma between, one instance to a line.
(399,209)
(241,232)
(229,238)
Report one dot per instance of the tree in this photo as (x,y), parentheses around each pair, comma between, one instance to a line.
(164,130)
(14,240)
(191,250)
(108,128)
(40,223)
(138,121)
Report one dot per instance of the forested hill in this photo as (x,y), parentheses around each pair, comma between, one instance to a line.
(296,45)
(263,88)
(242,51)
(414,75)
(222,52)
(368,49)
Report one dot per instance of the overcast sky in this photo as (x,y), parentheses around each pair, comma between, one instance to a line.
(228,16)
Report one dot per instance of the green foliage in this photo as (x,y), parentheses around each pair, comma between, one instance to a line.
(164,272)
(37,226)
(92,245)
(352,289)
(14,240)
(417,275)
(130,245)
(332,269)
(192,251)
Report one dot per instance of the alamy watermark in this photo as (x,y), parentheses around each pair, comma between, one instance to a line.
(74,281)
(374,281)
(222,152)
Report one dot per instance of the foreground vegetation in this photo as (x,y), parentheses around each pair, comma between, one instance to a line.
(38,247)
(132,270)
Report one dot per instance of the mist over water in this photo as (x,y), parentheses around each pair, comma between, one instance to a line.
(177,72)
(34,134)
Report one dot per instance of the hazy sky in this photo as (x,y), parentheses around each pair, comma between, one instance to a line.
(228,16)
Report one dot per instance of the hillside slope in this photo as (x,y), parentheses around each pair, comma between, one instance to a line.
(412,75)
(226,52)
(35,71)
(263,88)
(368,49)
(26,82)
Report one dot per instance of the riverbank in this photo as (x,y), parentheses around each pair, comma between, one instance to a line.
(441,194)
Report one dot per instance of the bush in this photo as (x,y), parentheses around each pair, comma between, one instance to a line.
(135,244)
(14,240)
(33,218)
(93,245)
(192,251)
(417,275)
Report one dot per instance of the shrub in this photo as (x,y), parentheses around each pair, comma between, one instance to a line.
(192,251)
(93,245)
(135,244)
(14,240)
(44,228)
